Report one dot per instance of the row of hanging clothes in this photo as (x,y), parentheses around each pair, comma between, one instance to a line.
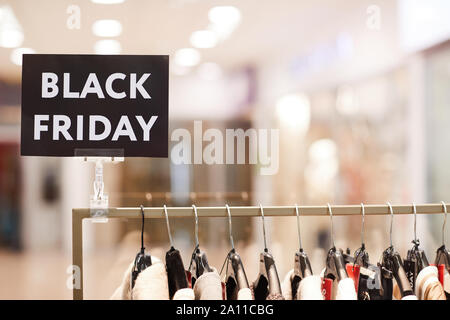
(345,277)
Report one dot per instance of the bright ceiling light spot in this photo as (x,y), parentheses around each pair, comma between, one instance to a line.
(11,38)
(224,15)
(187,57)
(16,55)
(204,39)
(107,1)
(107,47)
(209,71)
(322,167)
(107,28)
(11,34)
(294,110)
(224,19)
(323,149)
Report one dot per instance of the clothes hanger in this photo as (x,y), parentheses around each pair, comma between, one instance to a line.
(199,262)
(361,255)
(368,275)
(302,265)
(235,278)
(335,264)
(443,254)
(391,267)
(416,259)
(267,282)
(176,275)
(142,260)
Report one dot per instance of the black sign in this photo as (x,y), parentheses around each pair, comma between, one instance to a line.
(95,105)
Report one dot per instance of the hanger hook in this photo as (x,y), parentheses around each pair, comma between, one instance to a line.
(142,229)
(415,223)
(332,229)
(391,211)
(230,229)
(363,212)
(168,226)
(298,228)
(196,225)
(444,206)
(264,227)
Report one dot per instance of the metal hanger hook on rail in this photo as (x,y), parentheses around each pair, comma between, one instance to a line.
(444,206)
(264,228)
(363,212)
(332,229)
(168,226)
(391,211)
(416,242)
(196,226)
(230,229)
(142,229)
(298,228)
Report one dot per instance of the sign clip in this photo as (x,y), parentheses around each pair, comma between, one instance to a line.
(99,201)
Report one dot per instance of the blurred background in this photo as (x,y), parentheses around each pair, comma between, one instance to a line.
(359,90)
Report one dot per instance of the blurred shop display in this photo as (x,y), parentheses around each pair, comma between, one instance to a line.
(10,212)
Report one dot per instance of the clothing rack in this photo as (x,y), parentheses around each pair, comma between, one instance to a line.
(78,215)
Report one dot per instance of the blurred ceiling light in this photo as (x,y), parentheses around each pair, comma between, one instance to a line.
(187,57)
(224,19)
(204,39)
(323,165)
(107,47)
(209,71)
(16,55)
(224,15)
(322,150)
(107,28)
(346,102)
(294,110)
(11,34)
(107,1)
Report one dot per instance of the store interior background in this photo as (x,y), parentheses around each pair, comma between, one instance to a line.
(360,91)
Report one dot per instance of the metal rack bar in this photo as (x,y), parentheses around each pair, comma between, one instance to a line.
(78,215)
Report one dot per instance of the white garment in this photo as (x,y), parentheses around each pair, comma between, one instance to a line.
(208,287)
(410,297)
(152,283)
(428,286)
(245,294)
(310,288)
(342,290)
(184,294)
(286,287)
(346,290)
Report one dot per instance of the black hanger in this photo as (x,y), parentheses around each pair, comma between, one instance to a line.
(335,264)
(361,255)
(176,275)
(142,260)
(442,253)
(199,262)
(267,282)
(302,265)
(416,259)
(391,267)
(236,278)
